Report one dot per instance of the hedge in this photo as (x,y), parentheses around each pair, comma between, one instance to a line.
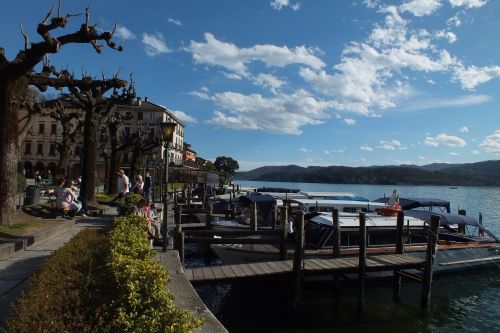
(102,283)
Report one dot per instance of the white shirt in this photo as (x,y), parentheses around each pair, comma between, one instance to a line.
(123,184)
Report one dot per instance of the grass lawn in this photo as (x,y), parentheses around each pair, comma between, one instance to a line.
(26,224)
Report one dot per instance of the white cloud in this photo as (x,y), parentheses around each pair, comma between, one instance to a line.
(155,44)
(476,152)
(464,129)
(227,55)
(279,4)
(391,145)
(420,7)
(366,148)
(468,3)
(281,114)
(434,103)
(326,152)
(233,76)
(455,20)
(491,143)
(431,82)
(371,3)
(182,116)
(452,153)
(174,21)
(444,139)
(124,33)
(304,150)
(448,35)
(473,76)
(350,121)
(371,73)
(200,94)
(270,81)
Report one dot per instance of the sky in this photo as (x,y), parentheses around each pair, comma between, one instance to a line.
(318,82)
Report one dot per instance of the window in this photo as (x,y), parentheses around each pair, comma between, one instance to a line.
(41,128)
(127,131)
(152,132)
(52,149)
(152,116)
(53,129)
(139,115)
(27,149)
(39,148)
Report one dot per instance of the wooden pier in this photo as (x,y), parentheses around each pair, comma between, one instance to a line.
(228,273)
(295,270)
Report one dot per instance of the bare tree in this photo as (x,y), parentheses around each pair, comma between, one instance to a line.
(15,77)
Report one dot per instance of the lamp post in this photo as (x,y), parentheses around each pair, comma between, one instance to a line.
(153,158)
(167,129)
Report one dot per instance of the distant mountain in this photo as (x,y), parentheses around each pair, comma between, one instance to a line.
(485,173)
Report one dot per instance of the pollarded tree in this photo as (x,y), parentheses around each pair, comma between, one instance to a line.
(227,166)
(15,76)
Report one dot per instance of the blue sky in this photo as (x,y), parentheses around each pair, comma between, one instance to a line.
(277,82)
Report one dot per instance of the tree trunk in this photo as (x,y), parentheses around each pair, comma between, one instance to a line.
(62,164)
(136,162)
(9,149)
(89,156)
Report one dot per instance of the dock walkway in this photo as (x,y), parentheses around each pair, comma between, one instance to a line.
(313,266)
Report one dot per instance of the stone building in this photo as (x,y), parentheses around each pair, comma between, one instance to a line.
(38,150)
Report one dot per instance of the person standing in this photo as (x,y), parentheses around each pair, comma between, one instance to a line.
(148,187)
(123,183)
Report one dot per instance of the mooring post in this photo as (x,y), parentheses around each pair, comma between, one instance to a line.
(274,216)
(396,282)
(429,261)
(234,191)
(179,242)
(283,231)
(190,194)
(208,216)
(233,211)
(204,195)
(298,257)
(253,217)
(336,251)
(362,264)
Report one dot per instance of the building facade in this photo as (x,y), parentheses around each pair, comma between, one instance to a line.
(38,150)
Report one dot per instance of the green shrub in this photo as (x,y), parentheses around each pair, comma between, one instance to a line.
(127,204)
(21,183)
(101,283)
(70,293)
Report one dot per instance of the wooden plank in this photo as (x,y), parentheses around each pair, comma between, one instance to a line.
(346,263)
(372,263)
(257,269)
(228,272)
(219,274)
(197,274)
(325,264)
(285,265)
(208,273)
(275,267)
(238,271)
(265,267)
(331,263)
(311,264)
(247,269)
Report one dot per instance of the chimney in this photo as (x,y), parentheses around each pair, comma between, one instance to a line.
(146,98)
(138,101)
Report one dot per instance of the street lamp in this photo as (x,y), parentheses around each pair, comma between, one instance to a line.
(167,129)
(153,158)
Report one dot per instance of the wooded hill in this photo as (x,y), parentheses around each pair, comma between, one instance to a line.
(485,173)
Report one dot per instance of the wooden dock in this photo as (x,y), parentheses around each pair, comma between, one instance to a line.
(225,273)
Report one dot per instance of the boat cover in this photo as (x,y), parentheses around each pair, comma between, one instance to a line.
(411,203)
(278,190)
(264,203)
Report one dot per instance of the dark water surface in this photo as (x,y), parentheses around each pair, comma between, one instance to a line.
(461,302)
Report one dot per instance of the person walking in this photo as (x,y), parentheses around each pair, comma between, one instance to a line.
(148,187)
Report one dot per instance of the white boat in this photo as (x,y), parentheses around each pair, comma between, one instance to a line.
(463,241)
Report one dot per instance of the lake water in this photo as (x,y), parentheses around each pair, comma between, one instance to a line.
(461,302)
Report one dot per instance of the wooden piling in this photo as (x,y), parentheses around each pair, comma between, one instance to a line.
(425,300)
(179,242)
(274,216)
(396,285)
(208,216)
(253,217)
(336,251)
(362,263)
(283,231)
(178,214)
(298,257)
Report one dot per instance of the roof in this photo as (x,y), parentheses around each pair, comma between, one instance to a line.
(149,106)
(410,203)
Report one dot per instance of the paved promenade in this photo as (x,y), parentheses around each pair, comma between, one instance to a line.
(16,270)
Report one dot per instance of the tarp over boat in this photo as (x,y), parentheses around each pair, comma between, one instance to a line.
(412,203)
(264,203)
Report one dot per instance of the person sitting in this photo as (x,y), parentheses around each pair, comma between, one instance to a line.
(143,210)
(67,200)
(153,215)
